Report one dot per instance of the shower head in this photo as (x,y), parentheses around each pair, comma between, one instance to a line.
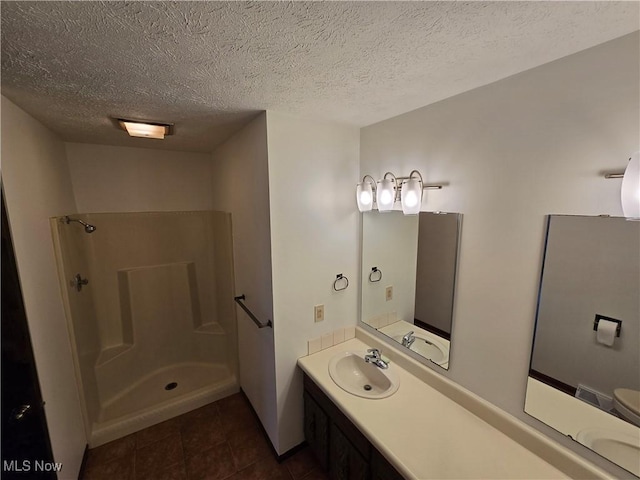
(87,227)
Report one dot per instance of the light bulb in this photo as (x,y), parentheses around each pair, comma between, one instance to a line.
(386,194)
(411,196)
(411,199)
(364,196)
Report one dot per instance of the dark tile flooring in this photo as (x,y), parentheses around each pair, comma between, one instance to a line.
(222,440)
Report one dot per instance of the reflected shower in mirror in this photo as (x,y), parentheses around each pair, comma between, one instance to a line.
(408,279)
(584,378)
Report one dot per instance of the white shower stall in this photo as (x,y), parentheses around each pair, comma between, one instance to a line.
(151,315)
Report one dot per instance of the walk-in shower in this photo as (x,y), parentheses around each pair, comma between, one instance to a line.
(153,324)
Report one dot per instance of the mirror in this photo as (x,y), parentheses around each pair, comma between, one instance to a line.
(408,279)
(584,377)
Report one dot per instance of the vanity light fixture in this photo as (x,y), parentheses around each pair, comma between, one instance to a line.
(365,195)
(630,189)
(411,193)
(146,129)
(386,192)
(409,190)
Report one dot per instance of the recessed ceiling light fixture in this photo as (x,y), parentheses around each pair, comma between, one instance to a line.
(146,129)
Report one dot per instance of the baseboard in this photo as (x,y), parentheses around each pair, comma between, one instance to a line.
(291,452)
(285,455)
(553,382)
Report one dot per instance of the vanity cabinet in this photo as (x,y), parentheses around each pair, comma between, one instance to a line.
(346,462)
(339,446)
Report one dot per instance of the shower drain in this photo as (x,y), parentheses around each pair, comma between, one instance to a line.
(170,386)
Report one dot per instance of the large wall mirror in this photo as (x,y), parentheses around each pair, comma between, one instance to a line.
(409,267)
(584,377)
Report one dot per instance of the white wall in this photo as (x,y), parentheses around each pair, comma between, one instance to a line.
(125,179)
(241,186)
(313,169)
(513,151)
(37,186)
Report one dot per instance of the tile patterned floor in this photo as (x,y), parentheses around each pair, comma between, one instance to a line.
(222,440)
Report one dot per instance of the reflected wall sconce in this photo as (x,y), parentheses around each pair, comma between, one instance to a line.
(630,189)
(409,190)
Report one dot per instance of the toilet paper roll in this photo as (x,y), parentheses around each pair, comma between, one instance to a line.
(606,332)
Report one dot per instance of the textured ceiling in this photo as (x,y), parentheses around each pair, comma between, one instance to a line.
(209,67)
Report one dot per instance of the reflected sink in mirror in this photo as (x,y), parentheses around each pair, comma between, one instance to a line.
(429,349)
(351,373)
(426,344)
(619,447)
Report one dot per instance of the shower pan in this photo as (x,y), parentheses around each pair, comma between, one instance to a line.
(149,303)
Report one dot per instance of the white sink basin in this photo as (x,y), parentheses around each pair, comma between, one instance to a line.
(351,373)
(619,447)
(431,348)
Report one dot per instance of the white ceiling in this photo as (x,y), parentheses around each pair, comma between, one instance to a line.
(209,67)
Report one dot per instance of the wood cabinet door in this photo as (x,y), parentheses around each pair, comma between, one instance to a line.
(346,463)
(316,430)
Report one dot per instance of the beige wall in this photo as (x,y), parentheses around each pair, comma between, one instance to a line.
(514,151)
(313,167)
(125,179)
(38,186)
(241,186)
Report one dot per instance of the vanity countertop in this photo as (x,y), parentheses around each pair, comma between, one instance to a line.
(425,434)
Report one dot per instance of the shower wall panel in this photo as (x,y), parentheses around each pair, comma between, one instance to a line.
(164,317)
(140,240)
(72,255)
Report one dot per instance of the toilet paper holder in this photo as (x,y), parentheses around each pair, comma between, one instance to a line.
(602,317)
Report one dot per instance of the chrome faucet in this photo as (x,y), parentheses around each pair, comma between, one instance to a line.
(375,357)
(408,339)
